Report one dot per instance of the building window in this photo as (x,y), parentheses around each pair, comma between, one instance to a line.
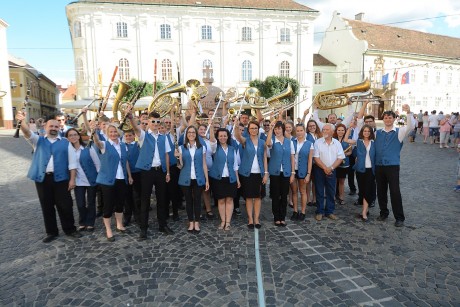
(412,77)
(438,77)
(166,70)
(246,34)
(246,71)
(165,31)
(437,101)
(79,69)
(425,101)
(449,78)
(285,35)
(77,29)
(345,78)
(207,64)
(284,69)
(123,69)
(122,29)
(206,33)
(318,78)
(425,77)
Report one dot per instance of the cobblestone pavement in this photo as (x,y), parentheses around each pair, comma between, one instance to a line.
(327,263)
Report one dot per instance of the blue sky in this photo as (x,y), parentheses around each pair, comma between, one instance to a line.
(38,30)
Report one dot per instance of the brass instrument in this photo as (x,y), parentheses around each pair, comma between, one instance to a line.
(338,98)
(123,88)
(124,124)
(274,104)
(348,149)
(162,102)
(24,105)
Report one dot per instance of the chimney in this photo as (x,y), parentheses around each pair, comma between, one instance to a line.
(359,16)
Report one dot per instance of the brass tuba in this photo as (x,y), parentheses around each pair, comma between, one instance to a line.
(162,102)
(338,98)
(273,104)
(122,89)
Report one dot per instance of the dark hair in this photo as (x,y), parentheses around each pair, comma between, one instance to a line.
(369,117)
(300,125)
(254,123)
(130,131)
(79,140)
(335,136)
(229,137)
(279,124)
(426,113)
(197,138)
(389,113)
(317,130)
(154,115)
(202,125)
(371,136)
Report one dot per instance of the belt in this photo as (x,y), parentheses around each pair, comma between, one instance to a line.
(49,173)
(156,168)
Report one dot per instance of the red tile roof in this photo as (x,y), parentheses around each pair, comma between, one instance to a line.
(70,92)
(319,60)
(282,5)
(387,38)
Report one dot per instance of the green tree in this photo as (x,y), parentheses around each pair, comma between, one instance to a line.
(135,84)
(274,85)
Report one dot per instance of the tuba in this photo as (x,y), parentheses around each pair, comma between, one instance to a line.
(338,98)
(123,88)
(162,102)
(273,104)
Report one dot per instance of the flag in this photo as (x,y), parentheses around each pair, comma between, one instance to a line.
(385,79)
(395,75)
(405,78)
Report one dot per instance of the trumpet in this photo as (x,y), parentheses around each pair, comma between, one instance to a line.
(25,103)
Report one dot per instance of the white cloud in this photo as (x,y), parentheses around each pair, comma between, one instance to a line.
(409,14)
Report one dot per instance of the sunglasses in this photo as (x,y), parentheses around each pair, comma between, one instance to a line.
(155,121)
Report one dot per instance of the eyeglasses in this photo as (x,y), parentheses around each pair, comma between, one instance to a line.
(266,125)
(155,121)
(145,124)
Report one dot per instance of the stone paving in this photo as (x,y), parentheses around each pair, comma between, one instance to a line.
(327,263)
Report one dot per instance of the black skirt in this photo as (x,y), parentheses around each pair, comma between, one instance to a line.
(252,186)
(341,172)
(223,188)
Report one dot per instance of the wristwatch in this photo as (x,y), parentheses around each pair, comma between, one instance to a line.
(332,168)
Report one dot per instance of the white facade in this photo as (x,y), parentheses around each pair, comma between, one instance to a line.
(433,83)
(240,44)
(6,115)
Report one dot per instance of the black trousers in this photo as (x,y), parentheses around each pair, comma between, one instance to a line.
(174,193)
(192,195)
(114,197)
(279,190)
(388,177)
(55,194)
(351,175)
(99,200)
(153,177)
(133,198)
(366,185)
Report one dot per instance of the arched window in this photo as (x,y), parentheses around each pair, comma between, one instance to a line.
(122,29)
(165,31)
(246,71)
(285,35)
(206,32)
(77,29)
(123,69)
(246,34)
(166,70)
(79,70)
(284,69)
(207,64)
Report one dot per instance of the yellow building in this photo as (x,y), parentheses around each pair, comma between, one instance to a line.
(43,94)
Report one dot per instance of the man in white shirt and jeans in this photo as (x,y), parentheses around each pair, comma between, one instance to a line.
(433,124)
(328,156)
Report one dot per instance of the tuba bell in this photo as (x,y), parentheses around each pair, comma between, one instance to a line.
(338,98)
(123,88)
(162,101)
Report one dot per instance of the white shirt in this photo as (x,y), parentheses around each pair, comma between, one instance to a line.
(433,121)
(33,140)
(156,156)
(117,146)
(299,147)
(225,172)
(368,162)
(328,153)
(81,179)
(192,150)
(255,168)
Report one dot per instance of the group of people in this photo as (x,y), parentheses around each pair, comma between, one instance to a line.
(223,160)
(439,128)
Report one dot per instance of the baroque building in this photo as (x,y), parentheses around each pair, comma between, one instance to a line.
(404,66)
(239,40)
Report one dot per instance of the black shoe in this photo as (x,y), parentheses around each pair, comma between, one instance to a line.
(294,216)
(90,228)
(111,239)
(310,204)
(251,226)
(352,192)
(143,235)
(210,215)
(282,224)
(176,218)
(75,235)
(356,203)
(120,230)
(258,226)
(49,238)
(301,217)
(399,223)
(372,204)
(166,230)
(237,211)
(99,214)
(381,218)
